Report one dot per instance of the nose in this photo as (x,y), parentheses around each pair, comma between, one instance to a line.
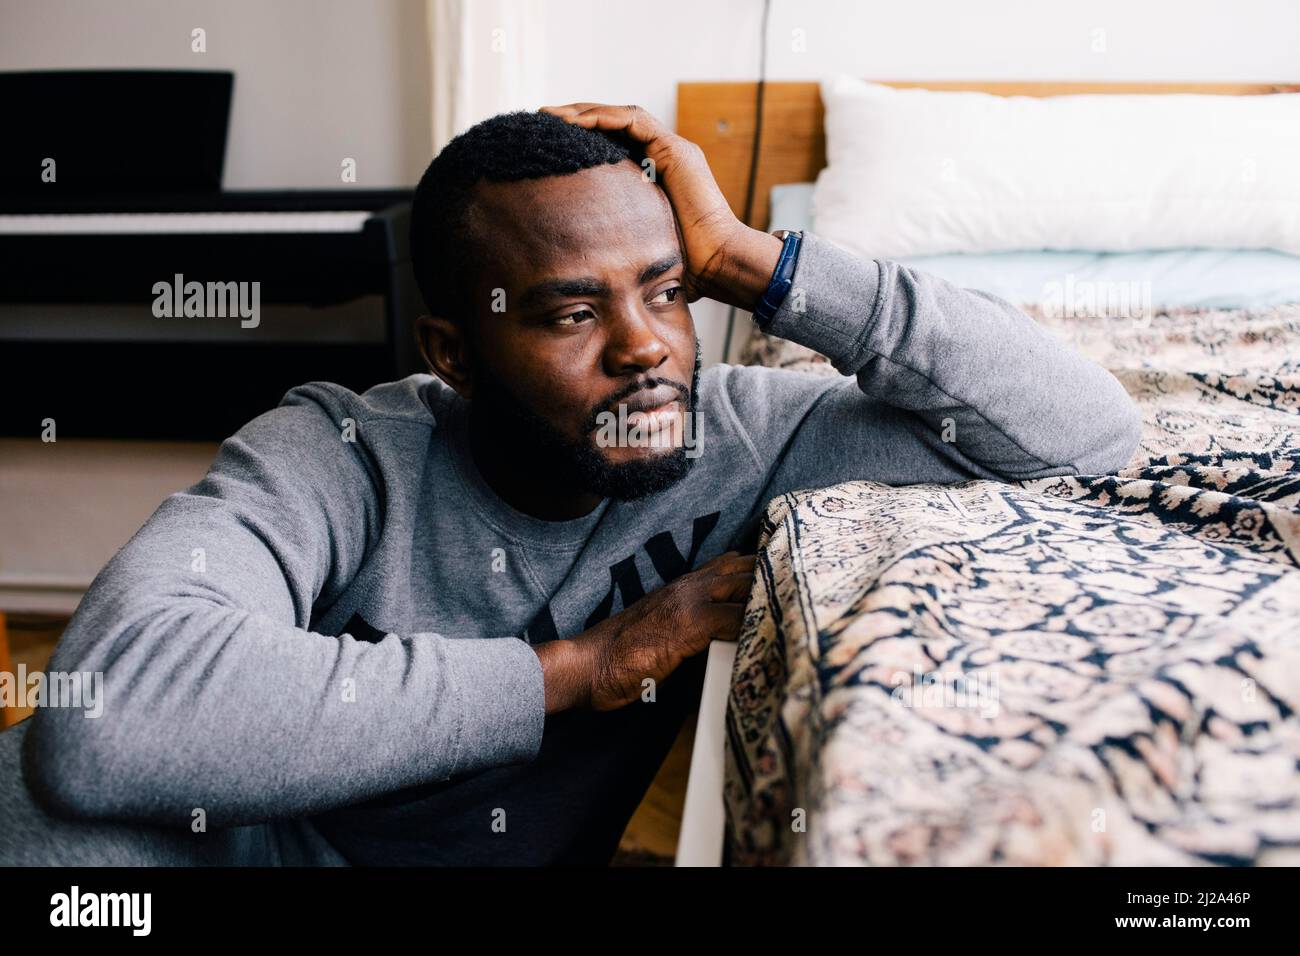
(634,345)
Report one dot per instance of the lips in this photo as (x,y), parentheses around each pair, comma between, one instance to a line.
(648,399)
(655,420)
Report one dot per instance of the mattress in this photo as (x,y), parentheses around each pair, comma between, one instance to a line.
(1076,670)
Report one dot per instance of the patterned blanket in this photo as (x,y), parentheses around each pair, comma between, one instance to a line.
(1083,670)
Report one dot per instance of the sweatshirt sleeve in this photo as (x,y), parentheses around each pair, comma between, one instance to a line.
(218,696)
(937,384)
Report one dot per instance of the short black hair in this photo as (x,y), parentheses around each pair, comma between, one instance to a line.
(505,148)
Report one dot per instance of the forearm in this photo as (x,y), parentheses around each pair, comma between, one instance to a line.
(209,705)
(1002,390)
(249,720)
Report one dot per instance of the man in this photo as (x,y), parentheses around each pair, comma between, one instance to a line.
(459,619)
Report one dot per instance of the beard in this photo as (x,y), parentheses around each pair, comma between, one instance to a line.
(545,450)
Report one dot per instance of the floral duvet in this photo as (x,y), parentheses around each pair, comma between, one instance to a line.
(1082,670)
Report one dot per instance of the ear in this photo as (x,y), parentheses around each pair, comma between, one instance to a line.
(445,348)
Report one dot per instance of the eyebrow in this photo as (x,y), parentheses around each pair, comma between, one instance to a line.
(565,288)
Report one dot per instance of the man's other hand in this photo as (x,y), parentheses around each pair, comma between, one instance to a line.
(605,667)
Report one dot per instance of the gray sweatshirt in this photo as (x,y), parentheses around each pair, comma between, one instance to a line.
(335,622)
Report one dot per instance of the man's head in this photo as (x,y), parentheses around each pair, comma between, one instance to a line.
(552,272)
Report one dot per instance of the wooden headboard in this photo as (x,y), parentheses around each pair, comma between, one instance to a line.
(720,118)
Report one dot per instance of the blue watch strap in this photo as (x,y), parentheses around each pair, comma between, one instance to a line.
(782,280)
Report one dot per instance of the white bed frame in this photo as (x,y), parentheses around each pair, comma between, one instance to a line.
(704,818)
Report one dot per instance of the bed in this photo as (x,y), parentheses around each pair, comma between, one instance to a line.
(1072,671)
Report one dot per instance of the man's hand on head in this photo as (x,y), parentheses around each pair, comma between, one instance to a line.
(725,259)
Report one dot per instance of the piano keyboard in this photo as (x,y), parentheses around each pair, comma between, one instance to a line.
(176,223)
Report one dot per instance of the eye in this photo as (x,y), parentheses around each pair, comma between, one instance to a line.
(572,318)
(671,293)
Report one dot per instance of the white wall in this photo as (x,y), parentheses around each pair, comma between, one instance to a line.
(623,52)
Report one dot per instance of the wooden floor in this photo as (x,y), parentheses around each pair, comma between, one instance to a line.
(651,835)
(31,641)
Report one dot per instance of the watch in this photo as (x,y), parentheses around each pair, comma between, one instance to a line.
(782,278)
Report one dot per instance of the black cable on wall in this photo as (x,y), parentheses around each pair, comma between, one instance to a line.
(753,156)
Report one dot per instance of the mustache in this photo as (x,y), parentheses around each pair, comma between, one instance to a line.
(641,385)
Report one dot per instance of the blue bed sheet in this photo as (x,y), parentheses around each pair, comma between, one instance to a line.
(1199,278)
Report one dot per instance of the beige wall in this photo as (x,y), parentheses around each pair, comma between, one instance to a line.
(315,80)
(67,506)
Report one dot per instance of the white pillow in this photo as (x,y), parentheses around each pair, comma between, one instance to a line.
(916,172)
